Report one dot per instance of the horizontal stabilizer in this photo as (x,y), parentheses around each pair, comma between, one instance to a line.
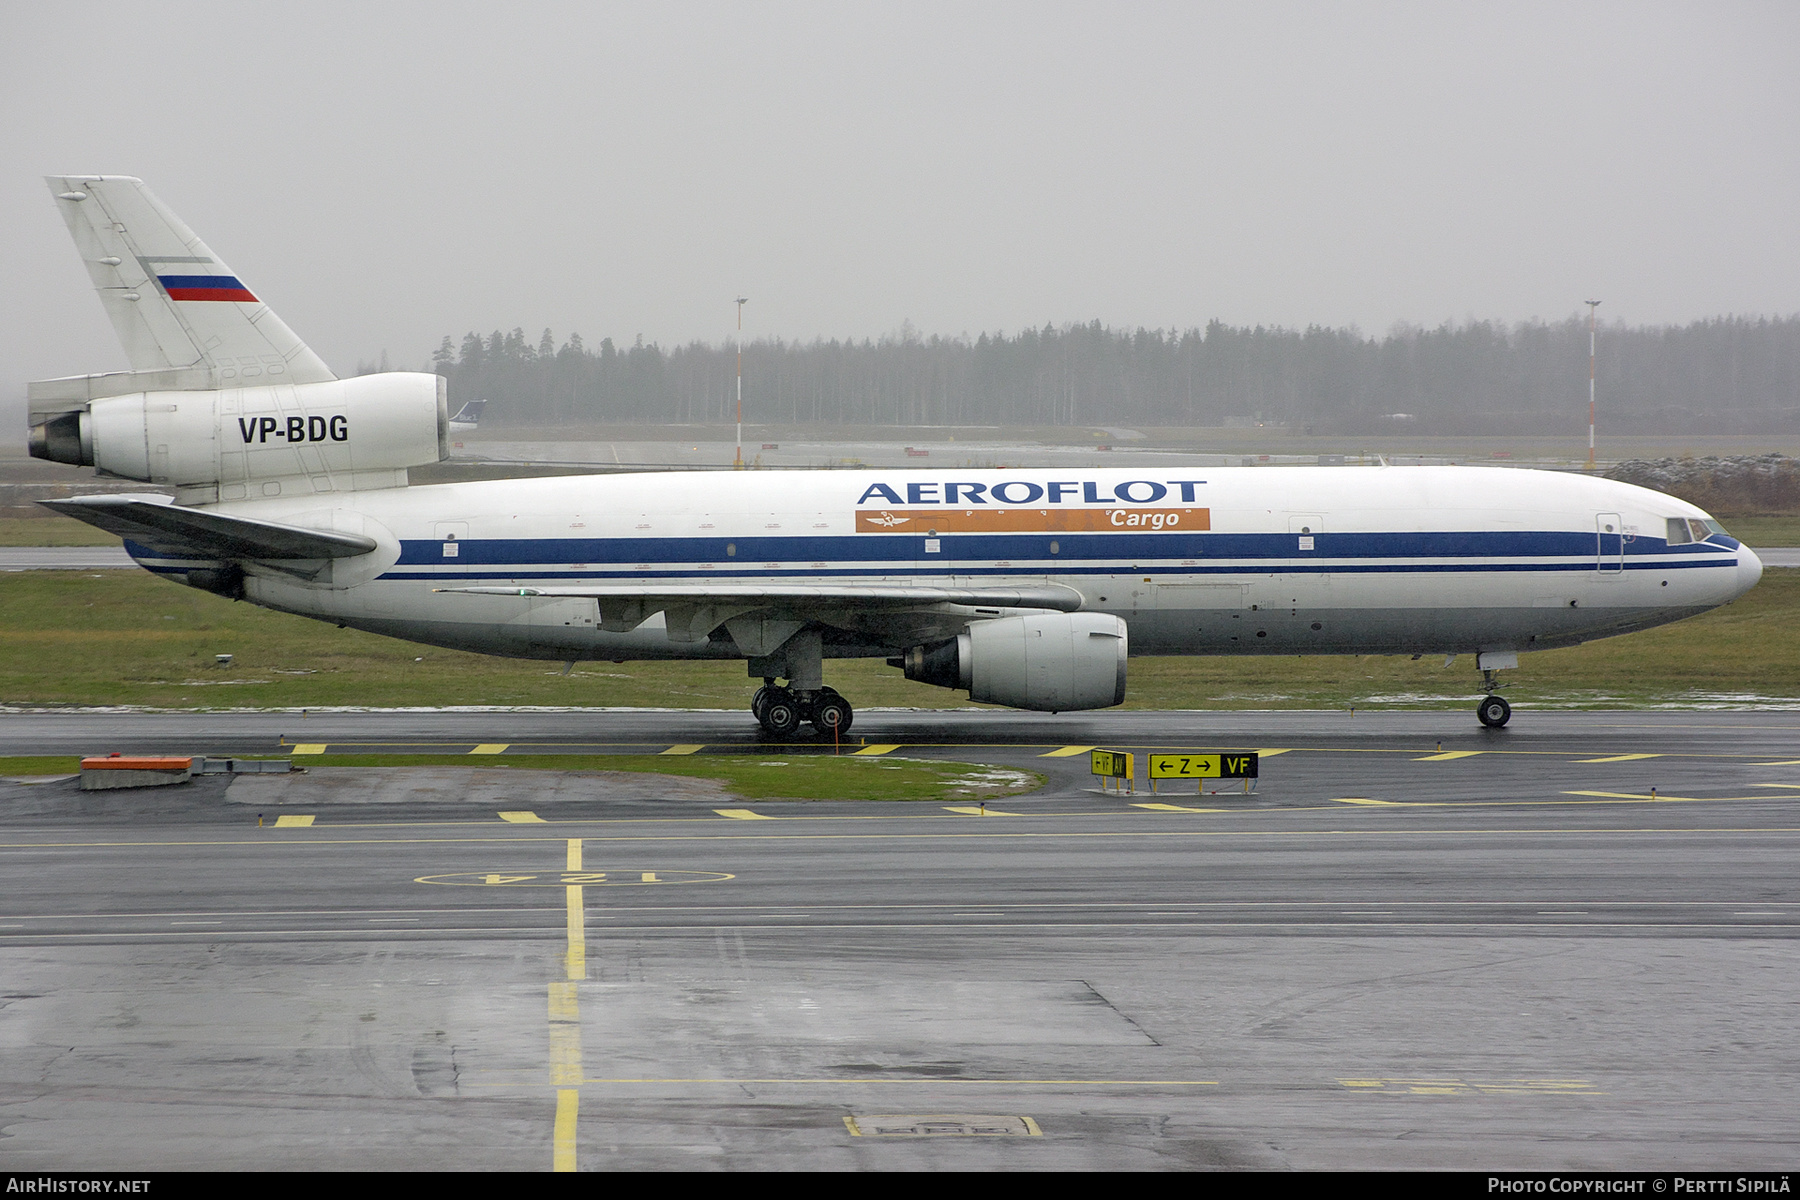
(197,533)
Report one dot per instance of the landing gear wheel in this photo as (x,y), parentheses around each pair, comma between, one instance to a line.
(833,715)
(760,702)
(1493,712)
(781,716)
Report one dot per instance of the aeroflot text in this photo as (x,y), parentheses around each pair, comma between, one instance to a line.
(1022,491)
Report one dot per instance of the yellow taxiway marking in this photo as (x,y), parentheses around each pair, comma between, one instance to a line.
(1067,752)
(1173,808)
(1618,758)
(684,749)
(1447,755)
(742,814)
(522,818)
(1270,753)
(1790,762)
(1779,785)
(291,820)
(562,1156)
(490,748)
(942,1082)
(1647,796)
(1362,800)
(573,863)
(971,810)
(877,750)
(1461,1087)
(310,748)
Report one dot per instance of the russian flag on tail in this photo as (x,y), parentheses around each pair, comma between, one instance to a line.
(206,287)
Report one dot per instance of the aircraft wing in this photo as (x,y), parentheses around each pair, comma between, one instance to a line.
(883,595)
(903,612)
(196,533)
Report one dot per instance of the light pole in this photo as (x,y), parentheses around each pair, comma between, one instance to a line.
(739,461)
(1592,305)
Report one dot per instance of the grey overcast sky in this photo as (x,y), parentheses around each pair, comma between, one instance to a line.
(387,173)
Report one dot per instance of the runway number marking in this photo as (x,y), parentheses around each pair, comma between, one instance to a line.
(635,877)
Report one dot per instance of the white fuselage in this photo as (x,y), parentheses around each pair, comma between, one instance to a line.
(1214,561)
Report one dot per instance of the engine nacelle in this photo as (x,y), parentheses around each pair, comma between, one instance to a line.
(257,441)
(1047,662)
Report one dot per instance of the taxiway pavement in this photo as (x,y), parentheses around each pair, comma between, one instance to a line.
(1418,944)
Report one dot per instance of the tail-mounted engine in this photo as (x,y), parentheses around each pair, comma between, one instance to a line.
(247,443)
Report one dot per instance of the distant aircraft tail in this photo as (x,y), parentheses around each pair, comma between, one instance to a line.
(469,414)
(178,309)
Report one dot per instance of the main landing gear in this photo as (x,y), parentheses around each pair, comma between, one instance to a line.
(1493,711)
(782,710)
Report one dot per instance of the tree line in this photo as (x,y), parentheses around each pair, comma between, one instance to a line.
(1728,374)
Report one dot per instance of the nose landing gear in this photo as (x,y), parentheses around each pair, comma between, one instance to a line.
(1493,711)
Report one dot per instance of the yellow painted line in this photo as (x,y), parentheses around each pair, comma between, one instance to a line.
(290,820)
(563,1004)
(522,818)
(1779,785)
(562,1156)
(1618,758)
(1361,800)
(565,1052)
(684,749)
(576,958)
(1447,755)
(1647,796)
(742,814)
(942,1082)
(1173,808)
(1068,752)
(877,750)
(310,748)
(490,748)
(1790,762)
(973,811)
(1270,753)
(573,863)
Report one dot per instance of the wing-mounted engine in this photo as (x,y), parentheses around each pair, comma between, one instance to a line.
(253,442)
(1047,662)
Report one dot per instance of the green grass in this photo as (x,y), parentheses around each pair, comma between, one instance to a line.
(52,530)
(771,776)
(1763,530)
(127,638)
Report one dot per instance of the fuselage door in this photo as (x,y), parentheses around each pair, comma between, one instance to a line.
(1609,543)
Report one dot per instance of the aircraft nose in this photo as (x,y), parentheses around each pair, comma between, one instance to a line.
(1749,569)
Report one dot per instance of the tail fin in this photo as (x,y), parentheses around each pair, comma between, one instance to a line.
(175,305)
(469,414)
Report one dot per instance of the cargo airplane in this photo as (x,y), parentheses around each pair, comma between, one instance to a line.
(1028,588)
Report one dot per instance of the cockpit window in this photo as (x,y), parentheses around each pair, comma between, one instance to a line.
(1679,534)
(1713,526)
